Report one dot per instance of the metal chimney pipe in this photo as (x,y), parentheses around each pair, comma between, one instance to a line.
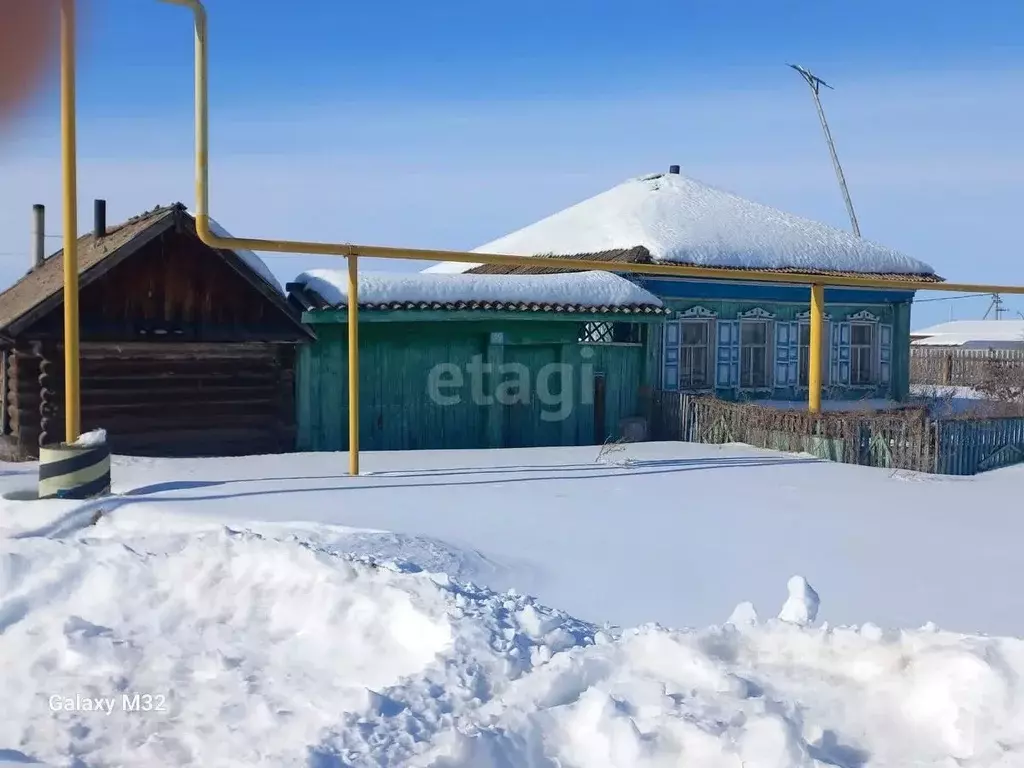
(38,235)
(99,218)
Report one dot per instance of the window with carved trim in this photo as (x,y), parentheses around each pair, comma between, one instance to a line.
(687,355)
(694,351)
(753,354)
(862,354)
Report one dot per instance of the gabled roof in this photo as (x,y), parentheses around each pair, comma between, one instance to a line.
(674,219)
(583,292)
(42,289)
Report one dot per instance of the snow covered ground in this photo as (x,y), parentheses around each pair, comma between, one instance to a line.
(943,391)
(281,613)
(945,400)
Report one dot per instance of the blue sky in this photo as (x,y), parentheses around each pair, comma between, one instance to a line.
(450,124)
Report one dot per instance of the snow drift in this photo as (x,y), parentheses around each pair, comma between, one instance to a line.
(280,651)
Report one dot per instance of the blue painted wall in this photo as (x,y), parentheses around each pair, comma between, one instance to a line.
(724,305)
(685,288)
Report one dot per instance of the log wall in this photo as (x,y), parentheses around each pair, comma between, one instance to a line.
(161,399)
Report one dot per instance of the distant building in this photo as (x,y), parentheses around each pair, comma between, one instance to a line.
(972,334)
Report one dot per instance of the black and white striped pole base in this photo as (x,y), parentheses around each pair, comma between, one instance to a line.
(74,472)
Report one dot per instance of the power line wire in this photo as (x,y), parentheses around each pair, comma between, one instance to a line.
(954,298)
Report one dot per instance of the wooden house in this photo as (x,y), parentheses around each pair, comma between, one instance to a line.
(185,350)
(738,340)
(466,361)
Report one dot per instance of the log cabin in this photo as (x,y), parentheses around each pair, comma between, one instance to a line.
(186,350)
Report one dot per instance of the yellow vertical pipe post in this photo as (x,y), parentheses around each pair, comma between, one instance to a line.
(816,348)
(353,365)
(72,402)
(202,113)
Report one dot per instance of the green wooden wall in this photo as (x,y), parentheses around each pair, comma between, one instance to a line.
(423,385)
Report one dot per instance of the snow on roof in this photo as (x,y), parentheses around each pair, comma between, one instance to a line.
(958,333)
(685,221)
(980,330)
(254,262)
(577,289)
(966,340)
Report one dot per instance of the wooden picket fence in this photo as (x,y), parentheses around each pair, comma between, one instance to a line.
(908,438)
(969,446)
(965,367)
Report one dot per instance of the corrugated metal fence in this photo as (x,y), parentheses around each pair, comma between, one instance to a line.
(904,439)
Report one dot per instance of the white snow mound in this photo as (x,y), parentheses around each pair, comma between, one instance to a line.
(91,439)
(743,615)
(685,221)
(801,607)
(273,652)
(587,289)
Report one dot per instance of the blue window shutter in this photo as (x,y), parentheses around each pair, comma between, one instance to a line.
(671,377)
(787,354)
(845,353)
(670,368)
(672,334)
(794,353)
(781,354)
(826,352)
(727,355)
(885,353)
(840,367)
(833,358)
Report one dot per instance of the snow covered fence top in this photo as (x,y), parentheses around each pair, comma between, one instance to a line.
(679,220)
(567,292)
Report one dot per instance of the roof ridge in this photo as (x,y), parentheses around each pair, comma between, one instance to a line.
(614,257)
(115,228)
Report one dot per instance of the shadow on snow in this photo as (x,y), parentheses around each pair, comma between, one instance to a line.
(81,516)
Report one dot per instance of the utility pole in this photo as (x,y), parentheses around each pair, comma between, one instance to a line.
(815,83)
(997,305)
